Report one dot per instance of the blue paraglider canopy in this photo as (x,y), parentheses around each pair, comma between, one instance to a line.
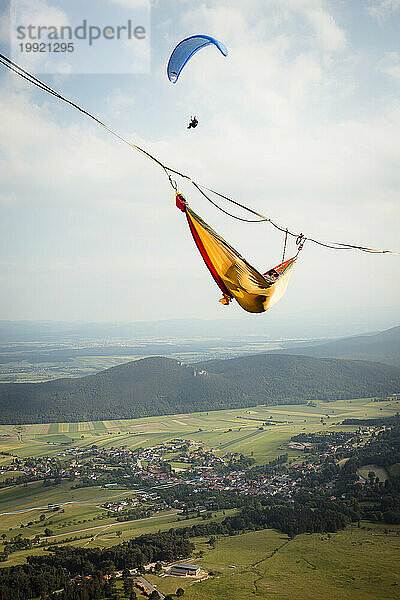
(185,50)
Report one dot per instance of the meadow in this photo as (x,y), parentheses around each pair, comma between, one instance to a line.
(256,564)
(358,563)
(239,430)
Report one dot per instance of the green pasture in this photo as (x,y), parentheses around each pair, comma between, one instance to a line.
(239,430)
(9,474)
(107,536)
(353,564)
(71,520)
(35,494)
(378,472)
(394,469)
(78,514)
(19,558)
(103,533)
(236,430)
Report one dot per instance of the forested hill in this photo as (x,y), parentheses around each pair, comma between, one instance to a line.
(156,386)
(380,347)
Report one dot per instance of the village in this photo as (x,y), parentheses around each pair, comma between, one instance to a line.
(181,461)
(188,482)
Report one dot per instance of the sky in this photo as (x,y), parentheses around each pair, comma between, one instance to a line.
(301,121)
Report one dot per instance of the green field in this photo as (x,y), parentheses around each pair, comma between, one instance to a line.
(30,371)
(354,564)
(378,472)
(226,431)
(78,520)
(30,367)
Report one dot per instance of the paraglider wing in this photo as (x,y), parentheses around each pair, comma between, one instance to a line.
(185,50)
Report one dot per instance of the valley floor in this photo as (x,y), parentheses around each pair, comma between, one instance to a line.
(237,430)
(353,564)
(357,563)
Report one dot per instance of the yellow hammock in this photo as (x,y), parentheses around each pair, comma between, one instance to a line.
(236,278)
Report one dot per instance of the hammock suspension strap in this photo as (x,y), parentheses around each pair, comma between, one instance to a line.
(284,250)
(300,241)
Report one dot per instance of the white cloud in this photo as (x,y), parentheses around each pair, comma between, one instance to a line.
(37,13)
(132,4)
(4,27)
(264,138)
(248,27)
(37,151)
(390,65)
(330,35)
(382,9)
(9,198)
(120,103)
(306,71)
(216,19)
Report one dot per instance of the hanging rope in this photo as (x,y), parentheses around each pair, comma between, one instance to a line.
(12,66)
(43,86)
(284,249)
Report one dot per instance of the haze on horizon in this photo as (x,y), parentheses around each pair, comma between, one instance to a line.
(301,121)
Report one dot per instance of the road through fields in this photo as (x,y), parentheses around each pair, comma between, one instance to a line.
(69,533)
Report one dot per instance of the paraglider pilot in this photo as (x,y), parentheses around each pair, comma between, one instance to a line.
(193,123)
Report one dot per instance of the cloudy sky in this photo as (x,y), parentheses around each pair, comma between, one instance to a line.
(301,121)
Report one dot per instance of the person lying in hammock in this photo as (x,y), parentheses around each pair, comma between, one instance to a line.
(272,273)
(235,277)
(193,122)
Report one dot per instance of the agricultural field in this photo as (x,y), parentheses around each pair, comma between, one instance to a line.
(266,564)
(255,564)
(38,362)
(241,430)
(79,520)
(30,371)
(35,494)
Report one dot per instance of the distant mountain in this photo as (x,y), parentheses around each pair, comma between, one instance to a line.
(156,386)
(381,347)
(306,323)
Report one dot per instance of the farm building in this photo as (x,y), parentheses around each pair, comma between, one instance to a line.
(183,569)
